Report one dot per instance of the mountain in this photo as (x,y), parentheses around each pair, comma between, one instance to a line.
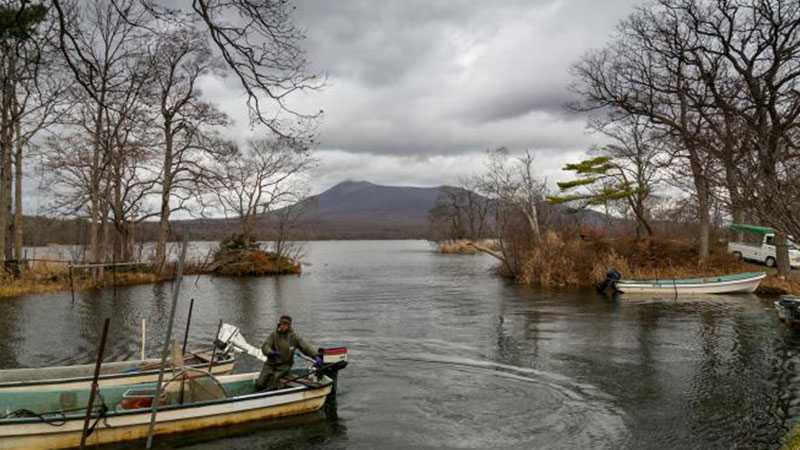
(363,210)
(349,210)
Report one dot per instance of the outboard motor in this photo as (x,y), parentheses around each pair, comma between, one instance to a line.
(791,308)
(612,278)
(334,359)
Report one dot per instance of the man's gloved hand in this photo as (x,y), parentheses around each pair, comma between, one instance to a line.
(272,356)
(318,361)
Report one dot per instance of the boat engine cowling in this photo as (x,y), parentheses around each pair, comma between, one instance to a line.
(791,307)
(333,353)
(612,278)
(334,359)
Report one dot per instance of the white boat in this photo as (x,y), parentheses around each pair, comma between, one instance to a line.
(726,284)
(116,373)
(127,420)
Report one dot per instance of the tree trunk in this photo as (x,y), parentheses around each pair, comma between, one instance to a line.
(6,135)
(18,223)
(703,207)
(163,238)
(640,213)
(782,254)
(533,222)
(163,226)
(95,213)
(738,217)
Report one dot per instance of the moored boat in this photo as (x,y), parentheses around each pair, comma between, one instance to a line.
(49,420)
(727,284)
(116,373)
(788,308)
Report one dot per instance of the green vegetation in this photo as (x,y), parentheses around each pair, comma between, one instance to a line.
(19,24)
(594,174)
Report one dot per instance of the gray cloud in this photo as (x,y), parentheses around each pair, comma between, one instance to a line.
(420,77)
(414,79)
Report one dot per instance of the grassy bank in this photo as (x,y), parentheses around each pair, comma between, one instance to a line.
(42,277)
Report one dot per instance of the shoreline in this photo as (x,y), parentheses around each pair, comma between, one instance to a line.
(568,264)
(48,277)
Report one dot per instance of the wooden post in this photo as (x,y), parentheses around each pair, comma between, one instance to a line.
(185,340)
(71,284)
(144,336)
(214,349)
(93,392)
(188,323)
(165,352)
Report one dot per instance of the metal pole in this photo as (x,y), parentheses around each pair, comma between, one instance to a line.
(188,322)
(175,291)
(214,349)
(93,392)
(185,340)
(144,336)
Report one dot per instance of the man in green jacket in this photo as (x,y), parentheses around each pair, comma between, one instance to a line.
(279,349)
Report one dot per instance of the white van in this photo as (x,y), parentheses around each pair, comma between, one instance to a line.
(765,252)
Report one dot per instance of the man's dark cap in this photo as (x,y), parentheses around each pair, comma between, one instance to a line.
(286,318)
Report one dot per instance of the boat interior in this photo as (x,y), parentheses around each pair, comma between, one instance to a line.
(87,370)
(195,386)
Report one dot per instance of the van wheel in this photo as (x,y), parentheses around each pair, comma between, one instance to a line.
(737,256)
(770,261)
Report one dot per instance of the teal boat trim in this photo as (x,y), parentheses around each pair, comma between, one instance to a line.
(694,281)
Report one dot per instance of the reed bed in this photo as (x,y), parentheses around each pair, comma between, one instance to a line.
(52,276)
(466,246)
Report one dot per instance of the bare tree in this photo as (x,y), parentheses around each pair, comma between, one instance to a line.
(256,39)
(461,212)
(180,58)
(258,179)
(105,51)
(514,185)
(285,223)
(516,194)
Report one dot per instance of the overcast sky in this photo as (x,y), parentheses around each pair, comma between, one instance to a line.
(418,89)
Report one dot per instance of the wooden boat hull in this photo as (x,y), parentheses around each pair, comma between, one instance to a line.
(114,374)
(681,287)
(134,424)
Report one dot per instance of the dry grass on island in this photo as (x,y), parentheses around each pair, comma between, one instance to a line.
(44,276)
(234,257)
(241,256)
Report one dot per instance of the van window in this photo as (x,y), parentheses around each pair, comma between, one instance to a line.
(770,240)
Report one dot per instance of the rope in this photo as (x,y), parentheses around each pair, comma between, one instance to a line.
(61,418)
(103,409)
(23,413)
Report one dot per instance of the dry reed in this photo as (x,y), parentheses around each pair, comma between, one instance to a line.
(557,261)
(466,246)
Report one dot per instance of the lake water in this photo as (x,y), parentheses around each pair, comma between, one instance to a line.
(445,355)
